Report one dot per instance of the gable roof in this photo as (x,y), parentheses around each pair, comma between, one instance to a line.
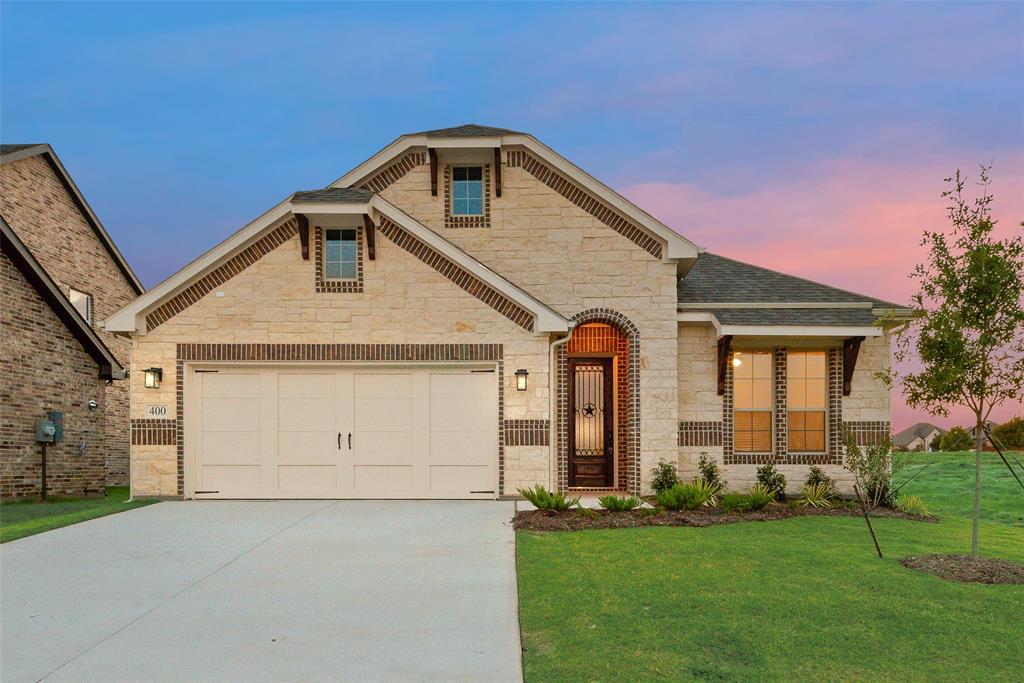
(12,153)
(131,318)
(335,195)
(744,294)
(918,430)
(15,249)
(676,247)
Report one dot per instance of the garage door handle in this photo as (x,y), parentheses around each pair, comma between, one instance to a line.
(339,441)
(350,440)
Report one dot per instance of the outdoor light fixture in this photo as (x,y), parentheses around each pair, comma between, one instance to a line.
(153,377)
(737,361)
(521,376)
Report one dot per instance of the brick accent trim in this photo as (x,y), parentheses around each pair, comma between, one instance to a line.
(835,406)
(457,274)
(527,433)
(227,270)
(382,180)
(700,433)
(481,221)
(154,432)
(323,285)
(632,399)
(869,432)
(338,352)
(780,369)
(585,200)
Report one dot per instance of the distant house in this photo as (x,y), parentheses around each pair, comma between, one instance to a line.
(917,437)
(986,443)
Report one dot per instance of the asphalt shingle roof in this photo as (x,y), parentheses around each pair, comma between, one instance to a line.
(469,130)
(333,195)
(11,149)
(915,431)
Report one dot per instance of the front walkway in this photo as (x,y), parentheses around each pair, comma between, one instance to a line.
(266,591)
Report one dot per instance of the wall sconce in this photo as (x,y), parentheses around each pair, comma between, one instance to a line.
(736,360)
(521,376)
(153,377)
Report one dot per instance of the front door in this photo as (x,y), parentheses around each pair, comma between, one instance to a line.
(591,440)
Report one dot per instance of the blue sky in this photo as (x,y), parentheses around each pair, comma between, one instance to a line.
(796,136)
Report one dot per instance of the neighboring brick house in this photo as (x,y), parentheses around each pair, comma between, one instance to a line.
(467,313)
(42,206)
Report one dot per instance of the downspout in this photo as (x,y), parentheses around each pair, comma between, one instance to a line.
(552,406)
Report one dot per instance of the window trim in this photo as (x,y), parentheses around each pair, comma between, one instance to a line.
(772,410)
(482,220)
(87,316)
(337,285)
(824,410)
(483,189)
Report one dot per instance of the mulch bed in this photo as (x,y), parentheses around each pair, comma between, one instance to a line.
(967,570)
(574,520)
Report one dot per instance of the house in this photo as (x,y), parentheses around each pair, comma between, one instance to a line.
(56,255)
(986,443)
(467,312)
(918,437)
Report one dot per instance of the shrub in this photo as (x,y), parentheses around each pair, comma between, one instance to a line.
(815,495)
(1010,434)
(872,467)
(760,496)
(619,503)
(734,502)
(548,501)
(936,443)
(708,490)
(772,480)
(689,496)
(911,505)
(664,476)
(956,439)
(816,476)
(710,473)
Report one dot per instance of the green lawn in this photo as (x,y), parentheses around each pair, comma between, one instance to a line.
(20,519)
(803,598)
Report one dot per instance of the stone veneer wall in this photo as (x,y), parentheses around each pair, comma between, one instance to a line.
(701,430)
(45,368)
(35,203)
(548,239)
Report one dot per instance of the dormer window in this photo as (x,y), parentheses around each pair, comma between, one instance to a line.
(339,260)
(467,196)
(467,191)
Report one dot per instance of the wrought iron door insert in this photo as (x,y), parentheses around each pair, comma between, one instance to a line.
(592,421)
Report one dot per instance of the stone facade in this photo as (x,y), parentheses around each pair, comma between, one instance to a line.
(40,209)
(45,368)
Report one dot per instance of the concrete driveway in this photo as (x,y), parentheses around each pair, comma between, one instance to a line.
(266,591)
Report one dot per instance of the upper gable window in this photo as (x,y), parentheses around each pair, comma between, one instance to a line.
(467,191)
(341,261)
(82,303)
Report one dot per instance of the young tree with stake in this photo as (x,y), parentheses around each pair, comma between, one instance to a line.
(968,334)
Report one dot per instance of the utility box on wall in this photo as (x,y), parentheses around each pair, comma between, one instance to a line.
(52,429)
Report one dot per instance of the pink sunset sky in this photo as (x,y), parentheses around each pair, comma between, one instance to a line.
(850,224)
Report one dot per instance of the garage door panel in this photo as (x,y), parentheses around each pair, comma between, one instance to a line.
(306,414)
(230,448)
(225,384)
(461,415)
(465,385)
(229,479)
(383,479)
(461,448)
(383,414)
(382,385)
(306,384)
(380,446)
(231,414)
(460,479)
(307,479)
(311,445)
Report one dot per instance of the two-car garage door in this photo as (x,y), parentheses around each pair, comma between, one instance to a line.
(330,432)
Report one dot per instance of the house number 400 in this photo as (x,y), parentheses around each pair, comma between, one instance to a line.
(157,411)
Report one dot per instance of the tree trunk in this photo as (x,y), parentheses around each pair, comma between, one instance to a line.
(976,517)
